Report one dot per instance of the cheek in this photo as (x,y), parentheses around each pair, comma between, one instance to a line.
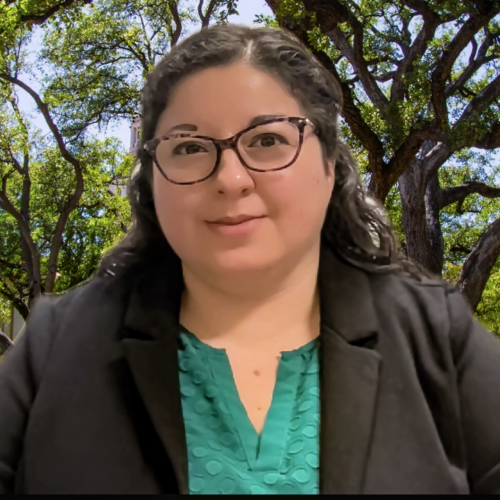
(172,210)
(302,196)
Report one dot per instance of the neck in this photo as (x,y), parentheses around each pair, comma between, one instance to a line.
(277,309)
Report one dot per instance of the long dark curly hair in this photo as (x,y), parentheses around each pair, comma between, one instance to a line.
(355,226)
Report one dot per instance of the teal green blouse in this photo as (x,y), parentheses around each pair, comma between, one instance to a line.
(225,453)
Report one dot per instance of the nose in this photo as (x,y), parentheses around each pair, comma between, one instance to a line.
(231,176)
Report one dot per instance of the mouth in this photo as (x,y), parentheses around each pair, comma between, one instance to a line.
(234,221)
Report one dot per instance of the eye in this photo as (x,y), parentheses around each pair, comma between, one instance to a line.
(189,148)
(267,140)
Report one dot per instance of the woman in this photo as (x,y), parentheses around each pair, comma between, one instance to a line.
(255,332)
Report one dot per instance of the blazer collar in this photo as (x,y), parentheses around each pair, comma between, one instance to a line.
(346,299)
(349,367)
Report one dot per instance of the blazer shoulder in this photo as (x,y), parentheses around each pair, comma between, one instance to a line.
(429,290)
(50,311)
(404,289)
(426,305)
(96,289)
(431,312)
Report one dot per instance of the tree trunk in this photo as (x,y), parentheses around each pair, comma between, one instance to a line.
(31,261)
(477,267)
(33,271)
(21,308)
(420,203)
(433,195)
(417,241)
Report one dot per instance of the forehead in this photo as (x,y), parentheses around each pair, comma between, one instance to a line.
(227,98)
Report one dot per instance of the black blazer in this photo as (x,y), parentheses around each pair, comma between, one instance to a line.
(410,389)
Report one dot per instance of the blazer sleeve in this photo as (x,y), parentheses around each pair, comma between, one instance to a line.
(20,372)
(477,360)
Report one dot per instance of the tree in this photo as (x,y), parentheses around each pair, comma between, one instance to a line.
(421,85)
(17,16)
(56,214)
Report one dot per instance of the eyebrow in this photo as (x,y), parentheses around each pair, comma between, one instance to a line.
(191,127)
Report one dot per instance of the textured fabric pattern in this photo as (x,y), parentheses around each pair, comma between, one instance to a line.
(225,453)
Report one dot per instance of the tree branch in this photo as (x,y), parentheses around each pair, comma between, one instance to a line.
(420,7)
(74,199)
(491,140)
(460,248)
(477,266)
(352,115)
(355,57)
(205,18)
(417,49)
(143,60)
(400,161)
(384,77)
(44,16)
(459,193)
(144,30)
(22,223)
(46,114)
(459,83)
(329,13)
(174,37)
(7,264)
(485,12)
(434,158)
(474,63)
(15,300)
(476,106)
(15,107)
(15,163)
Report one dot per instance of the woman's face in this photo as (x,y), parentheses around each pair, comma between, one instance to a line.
(290,204)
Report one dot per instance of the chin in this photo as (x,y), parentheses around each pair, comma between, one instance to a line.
(241,260)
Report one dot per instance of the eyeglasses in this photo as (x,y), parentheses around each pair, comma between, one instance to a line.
(183,158)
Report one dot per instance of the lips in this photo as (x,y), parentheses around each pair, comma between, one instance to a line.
(233,221)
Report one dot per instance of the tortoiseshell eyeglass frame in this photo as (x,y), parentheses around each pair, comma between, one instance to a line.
(229,143)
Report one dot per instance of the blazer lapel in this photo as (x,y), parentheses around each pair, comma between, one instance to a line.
(151,344)
(349,375)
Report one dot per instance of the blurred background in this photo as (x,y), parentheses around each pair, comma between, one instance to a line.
(421,89)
